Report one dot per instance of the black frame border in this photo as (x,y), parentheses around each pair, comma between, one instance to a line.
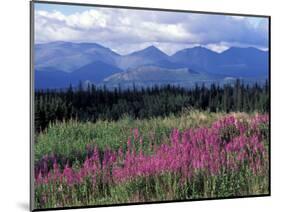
(31,106)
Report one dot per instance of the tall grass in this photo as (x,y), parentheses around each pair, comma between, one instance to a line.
(69,139)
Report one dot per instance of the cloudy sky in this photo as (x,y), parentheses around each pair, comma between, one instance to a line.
(127,30)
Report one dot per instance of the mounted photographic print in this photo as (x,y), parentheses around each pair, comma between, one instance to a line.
(140,105)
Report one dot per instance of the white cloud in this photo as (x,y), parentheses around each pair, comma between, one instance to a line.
(128,30)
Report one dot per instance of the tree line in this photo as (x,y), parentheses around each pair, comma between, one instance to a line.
(95,103)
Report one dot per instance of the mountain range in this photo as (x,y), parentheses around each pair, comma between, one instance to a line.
(59,64)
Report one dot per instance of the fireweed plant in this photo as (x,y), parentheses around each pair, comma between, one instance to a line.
(228,158)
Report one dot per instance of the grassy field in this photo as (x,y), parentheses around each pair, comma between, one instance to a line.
(68,139)
(193,155)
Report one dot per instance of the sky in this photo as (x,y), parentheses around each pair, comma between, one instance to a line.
(128,30)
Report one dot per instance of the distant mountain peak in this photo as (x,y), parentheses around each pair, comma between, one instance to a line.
(201,49)
(195,51)
(52,43)
(149,50)
(152,47)
(60,43)
(71,44)
(250,48)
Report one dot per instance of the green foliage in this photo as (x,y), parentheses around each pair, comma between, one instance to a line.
(228,133)
(70,139)
(96,104)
